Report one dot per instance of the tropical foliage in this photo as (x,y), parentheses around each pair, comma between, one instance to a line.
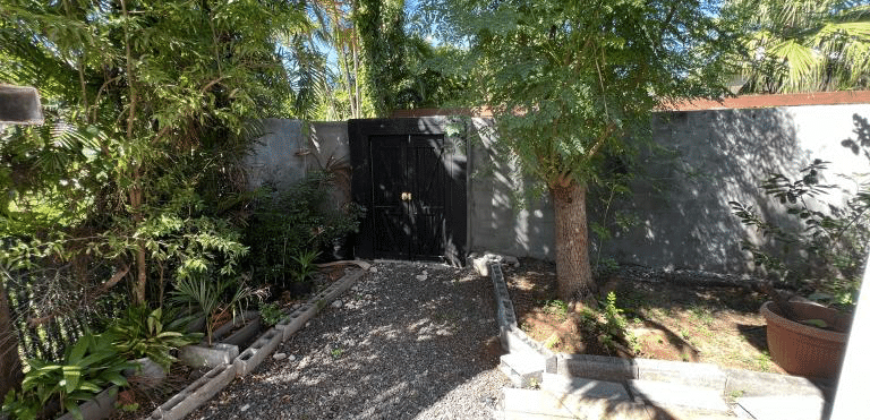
(134,180)
(804,45)
(568,80)
(88,367)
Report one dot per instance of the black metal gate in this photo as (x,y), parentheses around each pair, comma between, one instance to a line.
(410,177)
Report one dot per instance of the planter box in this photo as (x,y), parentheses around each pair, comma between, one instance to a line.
(99,408)
(804,350)
(251,322)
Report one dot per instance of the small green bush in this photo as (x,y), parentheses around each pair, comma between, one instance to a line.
(820,253)
(92,364)
(141,332)
(293,222)
(272,314)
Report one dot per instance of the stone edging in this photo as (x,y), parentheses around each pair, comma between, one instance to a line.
(201,390)
(728,381)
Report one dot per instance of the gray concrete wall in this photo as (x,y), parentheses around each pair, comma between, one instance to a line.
(274,158)
(499,219)
(718,156)
(723,156)
(289,149)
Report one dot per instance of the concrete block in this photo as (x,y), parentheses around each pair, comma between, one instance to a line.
(695,374)
(754,384)
(251,327)
(249,359)
(792,407)
(595,367)
(524,370)
(200,355)
(100,407)
(516,341)
(295,321)
(195,394)
(686,398)
(586,388)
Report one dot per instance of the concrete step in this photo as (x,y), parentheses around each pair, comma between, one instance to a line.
(542,404)
(581,387)
(680,398)
(797,407)
(524,370)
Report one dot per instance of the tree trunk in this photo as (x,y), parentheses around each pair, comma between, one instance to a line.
(573,273)
(10,363)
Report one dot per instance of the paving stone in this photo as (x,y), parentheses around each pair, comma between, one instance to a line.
(784,407)
(756,384)
(588,388)
(664,394)
(531,403)
(695,374)
(596,367)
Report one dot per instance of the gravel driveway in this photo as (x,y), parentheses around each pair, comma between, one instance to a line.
(409,341)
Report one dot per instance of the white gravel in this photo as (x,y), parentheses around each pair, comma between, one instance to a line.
(397,348)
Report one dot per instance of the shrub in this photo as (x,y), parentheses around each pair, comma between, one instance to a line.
(90,365)
(821,253)
(290,223)
(272,314)
(141,332)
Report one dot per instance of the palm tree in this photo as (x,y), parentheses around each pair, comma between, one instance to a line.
(805,45)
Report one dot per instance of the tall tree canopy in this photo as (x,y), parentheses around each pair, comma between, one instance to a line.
(804,45)
(568,81)
(148,110)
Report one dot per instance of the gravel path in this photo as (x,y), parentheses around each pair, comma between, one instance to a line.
(409,341)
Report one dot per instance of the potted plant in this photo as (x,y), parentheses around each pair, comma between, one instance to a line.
(303,272)
(821,258)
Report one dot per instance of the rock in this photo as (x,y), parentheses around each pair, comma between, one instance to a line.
(512,261)
(425,273)
(337,304)
(422,277)
(246,407)
(307,324)
(279,356)
(368,296)
(373,270)
(292,358)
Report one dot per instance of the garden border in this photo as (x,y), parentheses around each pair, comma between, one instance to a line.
(606,368)
(204,388)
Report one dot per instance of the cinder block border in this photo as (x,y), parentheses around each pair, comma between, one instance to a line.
(249,359)
(614,369)
(195,394)
(241,364)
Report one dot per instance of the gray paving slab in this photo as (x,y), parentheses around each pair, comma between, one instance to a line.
(795,407)
(589,388)
(664,394)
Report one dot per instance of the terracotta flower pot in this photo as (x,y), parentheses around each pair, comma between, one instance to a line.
(802,349)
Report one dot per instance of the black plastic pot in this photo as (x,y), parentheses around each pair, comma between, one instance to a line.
(300,288)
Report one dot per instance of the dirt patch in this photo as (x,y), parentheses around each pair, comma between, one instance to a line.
(718,325)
